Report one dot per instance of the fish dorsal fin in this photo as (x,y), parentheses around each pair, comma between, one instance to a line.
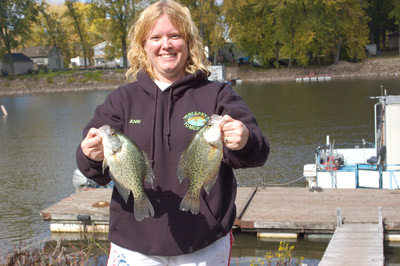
(124,192)
(210,184)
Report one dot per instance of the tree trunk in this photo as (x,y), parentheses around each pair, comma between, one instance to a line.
(124,53)
(3,35)
(337,56)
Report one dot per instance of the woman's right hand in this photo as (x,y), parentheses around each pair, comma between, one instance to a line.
(92,146)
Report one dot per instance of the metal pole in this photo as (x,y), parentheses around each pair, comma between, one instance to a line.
(4,110)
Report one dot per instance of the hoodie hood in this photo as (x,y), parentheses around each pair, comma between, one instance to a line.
(190,80)
(174,91)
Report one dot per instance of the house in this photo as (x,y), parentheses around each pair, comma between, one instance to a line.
(79,61)
(44,57)
(100,57)
(22,64)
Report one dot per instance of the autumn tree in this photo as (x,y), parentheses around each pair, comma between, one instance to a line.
(51,31)
(16,17)
(78,23)
(119,15)
(251,27)
(299,29)
(208,17)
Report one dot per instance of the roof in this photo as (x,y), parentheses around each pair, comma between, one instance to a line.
(100,45)
(36,51)
(16,57)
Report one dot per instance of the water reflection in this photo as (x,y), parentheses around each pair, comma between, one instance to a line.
(39,137)
(296,117)
(247,247)
(38,141)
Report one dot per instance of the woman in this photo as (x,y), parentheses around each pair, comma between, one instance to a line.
(170,99)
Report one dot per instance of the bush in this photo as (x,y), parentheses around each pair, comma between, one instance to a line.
(283,257)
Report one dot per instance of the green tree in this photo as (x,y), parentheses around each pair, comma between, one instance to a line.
(16,17)
(380,20)
(395,14)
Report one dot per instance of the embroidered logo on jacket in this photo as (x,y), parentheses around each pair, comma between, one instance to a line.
(135,121)
(195,120)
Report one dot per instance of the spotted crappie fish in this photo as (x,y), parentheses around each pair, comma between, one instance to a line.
(200,162)
(129,168)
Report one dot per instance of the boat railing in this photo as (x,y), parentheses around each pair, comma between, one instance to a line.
(385,170)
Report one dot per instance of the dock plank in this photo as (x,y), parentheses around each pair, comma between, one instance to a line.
(355,244)
(91,203)
(295,208)
(243,198)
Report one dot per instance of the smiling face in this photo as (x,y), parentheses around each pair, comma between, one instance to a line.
(167,50)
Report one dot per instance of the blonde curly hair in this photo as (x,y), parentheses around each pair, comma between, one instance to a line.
(181,18)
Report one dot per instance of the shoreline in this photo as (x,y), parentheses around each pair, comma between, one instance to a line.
(111,79)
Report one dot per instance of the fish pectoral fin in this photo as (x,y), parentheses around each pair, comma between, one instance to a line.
(149,178)
(210,184)
(124,192)
(149,173)
(180,173)
(104,165)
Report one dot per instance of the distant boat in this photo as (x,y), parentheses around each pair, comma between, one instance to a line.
(362,165)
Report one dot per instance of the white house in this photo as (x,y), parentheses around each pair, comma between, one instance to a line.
(22,64)
(79,61)
(101,61)
(44,57)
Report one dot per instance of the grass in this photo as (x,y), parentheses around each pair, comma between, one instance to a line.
(93,76)
(41,74)
(60,253)
(50,76)
(88,251)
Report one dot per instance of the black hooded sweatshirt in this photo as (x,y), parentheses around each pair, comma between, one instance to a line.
(162,124)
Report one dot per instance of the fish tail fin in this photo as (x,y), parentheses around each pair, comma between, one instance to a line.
(142,208)
(190,202)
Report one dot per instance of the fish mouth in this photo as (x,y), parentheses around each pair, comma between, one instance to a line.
(103,131)
(218,120)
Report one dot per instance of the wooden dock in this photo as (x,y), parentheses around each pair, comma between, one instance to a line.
(366,216)
(355,244)
(299,210)
(288,209)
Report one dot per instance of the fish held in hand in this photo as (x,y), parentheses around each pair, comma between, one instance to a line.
(200,162)
(129,168)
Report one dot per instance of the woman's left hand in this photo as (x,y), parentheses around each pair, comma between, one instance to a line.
(234,133)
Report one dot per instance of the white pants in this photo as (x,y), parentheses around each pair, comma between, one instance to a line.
(216,254)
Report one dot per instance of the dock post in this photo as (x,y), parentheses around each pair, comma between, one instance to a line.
(339,217)
(4,110)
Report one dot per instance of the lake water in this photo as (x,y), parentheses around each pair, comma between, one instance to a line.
(39,137)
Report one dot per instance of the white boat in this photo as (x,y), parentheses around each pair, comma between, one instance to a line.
(363,165)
